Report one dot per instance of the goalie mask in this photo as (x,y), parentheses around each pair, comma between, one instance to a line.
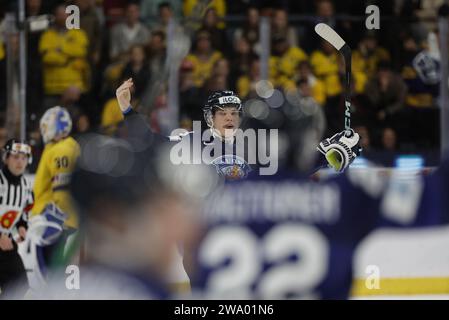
(55,122)
(220,100)
(14,147)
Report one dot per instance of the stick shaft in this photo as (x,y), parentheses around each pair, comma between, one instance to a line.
(329,34)
(346,53)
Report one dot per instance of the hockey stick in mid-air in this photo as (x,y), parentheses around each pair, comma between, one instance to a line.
(329,34)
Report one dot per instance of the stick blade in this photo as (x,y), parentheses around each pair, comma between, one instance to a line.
(329,34)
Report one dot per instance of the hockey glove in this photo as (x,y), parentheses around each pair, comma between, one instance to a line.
(341,149)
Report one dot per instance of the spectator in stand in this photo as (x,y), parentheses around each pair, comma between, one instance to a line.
(385,94)
(325,64)
(151,10)
(389,140)
(325,12)
(216,83)
(221,68)
(80,108)
(157,52)
(71,100)
(189,95)
(218,36)
(421,73)
(137,69)
(250,30)
(114,10)
(203,57)
(305,91)
(82,124)
(387,150)
(165,14)
(284,61)
(64,57)
(280,27)
(212,84)
(246,84)
(194,9)
(409,11)
(111,117)
(317,88)
(128,33)
(368,55)
(427,14)
(90,23)
(243,55)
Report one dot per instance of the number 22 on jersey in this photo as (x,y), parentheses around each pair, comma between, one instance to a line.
(296,255)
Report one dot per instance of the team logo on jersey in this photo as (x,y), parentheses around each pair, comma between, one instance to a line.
(8,220)
(231,167)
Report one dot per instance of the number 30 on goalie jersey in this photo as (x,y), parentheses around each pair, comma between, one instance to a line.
(281,237)
(52,178)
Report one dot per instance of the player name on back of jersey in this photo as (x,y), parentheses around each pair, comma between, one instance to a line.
(264,202)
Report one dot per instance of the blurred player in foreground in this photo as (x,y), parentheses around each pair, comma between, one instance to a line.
(54,216)
(16,199)
(132,215)
(282,236)
(223,115)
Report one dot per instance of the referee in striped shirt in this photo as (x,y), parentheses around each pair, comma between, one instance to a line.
(16,199)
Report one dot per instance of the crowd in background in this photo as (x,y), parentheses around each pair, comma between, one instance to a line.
(395,69)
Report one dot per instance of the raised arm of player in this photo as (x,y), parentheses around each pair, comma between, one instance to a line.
(138,129)
(123,94)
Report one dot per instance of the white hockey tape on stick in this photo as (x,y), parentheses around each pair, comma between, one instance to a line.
(329,34)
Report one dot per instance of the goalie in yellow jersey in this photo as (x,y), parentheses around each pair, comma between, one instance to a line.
(54,218)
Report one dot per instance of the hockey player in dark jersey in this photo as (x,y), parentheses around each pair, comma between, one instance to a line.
(283,236)
(16,199)
(223,115)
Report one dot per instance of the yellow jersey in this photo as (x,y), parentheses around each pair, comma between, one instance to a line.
(64,58)
(2,51)
(368,63)
(202,69)
(326,68)
(197,9)
(52,177)
(286,65)
(111,116)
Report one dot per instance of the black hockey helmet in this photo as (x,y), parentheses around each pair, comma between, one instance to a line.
(13,146)
(220,99)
